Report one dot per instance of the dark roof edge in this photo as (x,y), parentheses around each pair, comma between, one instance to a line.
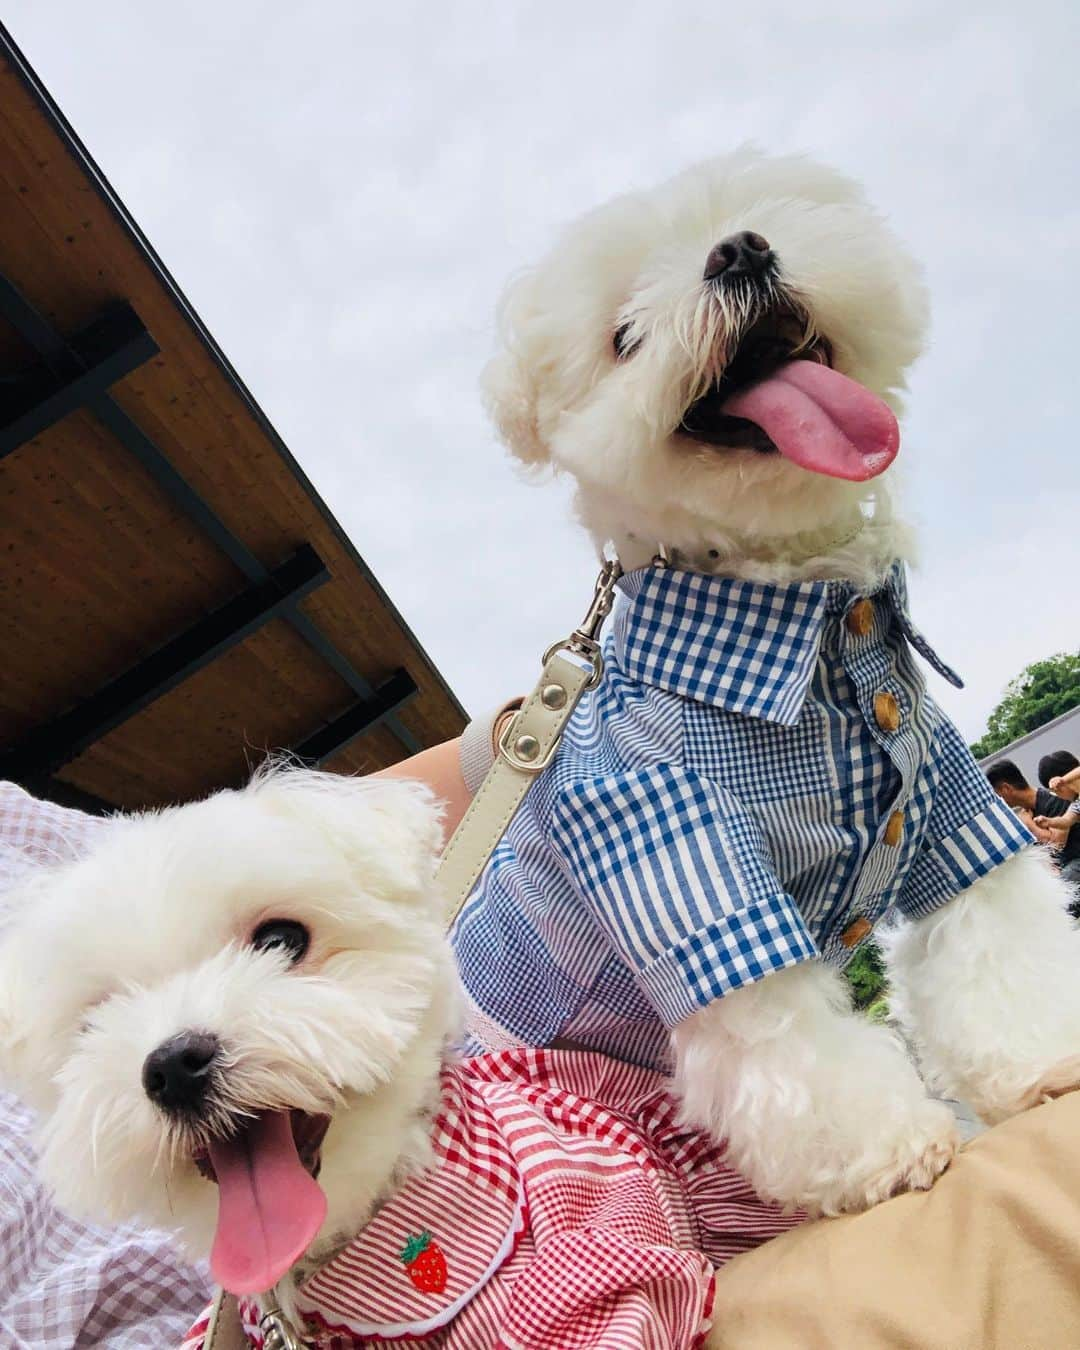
(9,49)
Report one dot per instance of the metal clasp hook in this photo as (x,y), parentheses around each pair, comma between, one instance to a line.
(583,640)
(603,597)
(278,1332)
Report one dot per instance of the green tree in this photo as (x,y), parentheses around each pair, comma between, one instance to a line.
(1043,691)
(866,975)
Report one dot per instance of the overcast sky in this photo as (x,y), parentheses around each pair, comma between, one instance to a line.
(341,189)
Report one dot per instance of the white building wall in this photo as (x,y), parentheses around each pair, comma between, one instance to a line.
(1063,733)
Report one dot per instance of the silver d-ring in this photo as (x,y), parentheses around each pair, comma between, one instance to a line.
(593,655)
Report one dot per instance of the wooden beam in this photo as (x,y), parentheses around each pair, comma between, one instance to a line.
(111,348)
(67,794)
(52,745)
(391,695)
(35,329)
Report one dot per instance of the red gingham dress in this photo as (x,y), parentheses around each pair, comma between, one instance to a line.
(568,1210)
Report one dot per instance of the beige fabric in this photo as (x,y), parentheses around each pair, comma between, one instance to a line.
(503,790)
(989,1259)
(477,746)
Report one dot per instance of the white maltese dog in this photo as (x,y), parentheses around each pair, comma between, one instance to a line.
(761,774)
(209,988)
(256,990)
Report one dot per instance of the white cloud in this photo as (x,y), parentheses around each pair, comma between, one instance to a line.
(341,190)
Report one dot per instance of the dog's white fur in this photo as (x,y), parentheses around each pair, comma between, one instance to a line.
(149,936)
(987,990)
(820,1108)
(559,398)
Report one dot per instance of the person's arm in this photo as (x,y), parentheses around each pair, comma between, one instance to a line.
(455,769)
(1066,780)
(440,769)
(1040,826)
(1057,827)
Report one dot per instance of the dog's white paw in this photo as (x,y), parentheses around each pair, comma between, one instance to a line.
(852,1161)
(999,1097)
(820,1109)
(1063,1077)
(910,1159)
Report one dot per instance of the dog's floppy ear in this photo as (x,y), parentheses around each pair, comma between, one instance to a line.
(508,383)
(388,829)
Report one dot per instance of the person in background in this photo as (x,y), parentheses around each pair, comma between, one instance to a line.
(1029,803)
(1064,841)
(1060,773)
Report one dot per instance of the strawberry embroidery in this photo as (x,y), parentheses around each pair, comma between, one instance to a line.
(424,1260)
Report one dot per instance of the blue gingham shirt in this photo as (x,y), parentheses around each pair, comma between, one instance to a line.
(717,810)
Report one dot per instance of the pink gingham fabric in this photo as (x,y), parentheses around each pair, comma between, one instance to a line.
(568,1208)
(66,1285)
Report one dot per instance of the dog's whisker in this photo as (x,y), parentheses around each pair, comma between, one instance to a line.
(95,1151)
(163,1148)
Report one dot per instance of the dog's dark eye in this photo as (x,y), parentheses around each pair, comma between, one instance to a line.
(622,342)
(282,935)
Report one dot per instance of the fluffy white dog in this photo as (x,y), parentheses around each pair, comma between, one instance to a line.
(210,988)
(716,363)
(256,990)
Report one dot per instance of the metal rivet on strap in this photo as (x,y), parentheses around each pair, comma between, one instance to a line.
(526,748)
(553,696)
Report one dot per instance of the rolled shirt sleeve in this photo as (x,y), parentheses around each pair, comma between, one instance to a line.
(678,874)
(970,831)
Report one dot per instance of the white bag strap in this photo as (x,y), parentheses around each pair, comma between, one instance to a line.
(526,747)
(225,1330)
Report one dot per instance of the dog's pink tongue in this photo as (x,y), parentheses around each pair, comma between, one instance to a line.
(269,1208)
(821,420)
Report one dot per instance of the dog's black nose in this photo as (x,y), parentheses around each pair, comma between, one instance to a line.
(176,1075)
(745,254)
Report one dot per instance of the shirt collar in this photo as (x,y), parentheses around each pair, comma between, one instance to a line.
(456,1222)
(747,646)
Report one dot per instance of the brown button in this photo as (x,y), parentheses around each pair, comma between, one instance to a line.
(886,710)
(856,931)
(860,618)
(894,829)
